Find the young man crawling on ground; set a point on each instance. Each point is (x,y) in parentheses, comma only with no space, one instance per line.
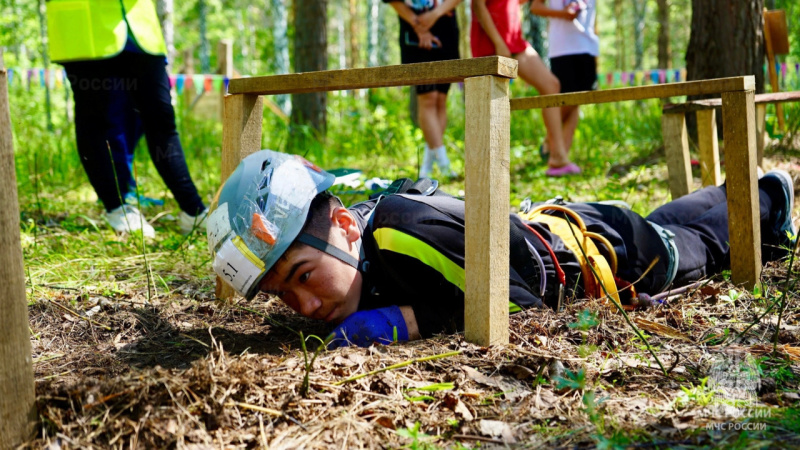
(392,268)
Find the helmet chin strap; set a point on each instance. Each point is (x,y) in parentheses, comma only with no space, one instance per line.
(319,244)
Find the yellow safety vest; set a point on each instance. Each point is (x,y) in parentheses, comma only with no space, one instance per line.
(96,29)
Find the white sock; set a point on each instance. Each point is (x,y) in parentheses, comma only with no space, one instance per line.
(443,160)
(428,157)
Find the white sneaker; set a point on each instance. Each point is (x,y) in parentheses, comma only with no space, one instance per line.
(187,223)
(427,163)
(444,161)
(127,218)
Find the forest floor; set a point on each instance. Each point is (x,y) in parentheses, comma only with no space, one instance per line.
(184,370)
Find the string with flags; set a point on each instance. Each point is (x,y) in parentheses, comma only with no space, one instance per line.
(56,78)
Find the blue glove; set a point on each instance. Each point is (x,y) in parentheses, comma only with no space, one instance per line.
(362,328)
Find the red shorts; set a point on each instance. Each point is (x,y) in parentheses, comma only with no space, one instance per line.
(505,15)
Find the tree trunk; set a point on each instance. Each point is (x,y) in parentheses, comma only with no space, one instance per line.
(355,26)
(664,54)
(639,19)
(373,22)
(726,40)
(280,40)
(205,48)
(46,63)
(620,37)
(537,30)
(17,411)
(166,10)
(341,36)
(310,54)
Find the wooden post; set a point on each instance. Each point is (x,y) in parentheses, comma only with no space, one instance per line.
(225,58)
(676,148)
(487,198)
(17,411)
(761,132)
(241,136)
(708,142)
(771,25)
(738,118)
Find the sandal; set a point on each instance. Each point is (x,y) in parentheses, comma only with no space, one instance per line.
(569,169)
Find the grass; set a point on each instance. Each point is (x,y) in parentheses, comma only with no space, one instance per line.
(71,253)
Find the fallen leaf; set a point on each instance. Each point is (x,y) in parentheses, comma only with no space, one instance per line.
(386,422)
(497,429)
(663,330)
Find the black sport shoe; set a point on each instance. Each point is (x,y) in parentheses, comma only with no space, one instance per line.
(783,227)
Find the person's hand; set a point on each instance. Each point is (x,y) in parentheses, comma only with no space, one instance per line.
(427,40)
(501,49)
(362,328)
(426,20)
(572,10)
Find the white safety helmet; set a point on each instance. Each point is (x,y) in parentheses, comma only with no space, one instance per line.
(261,210)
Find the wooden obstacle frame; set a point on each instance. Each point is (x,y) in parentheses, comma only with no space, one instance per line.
(487,160)
(738,116)
(707,140)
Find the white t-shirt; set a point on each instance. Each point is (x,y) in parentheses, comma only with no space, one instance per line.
(576,36)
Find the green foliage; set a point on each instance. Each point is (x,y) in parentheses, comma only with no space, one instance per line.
(575,381)
(419,440)
(586,320)
(700,396)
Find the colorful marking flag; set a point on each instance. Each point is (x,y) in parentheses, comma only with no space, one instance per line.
(180,81)
(10,76)
(217,82)
(654,76)
(207,83)
(172,80)
(227,81)
(197,82)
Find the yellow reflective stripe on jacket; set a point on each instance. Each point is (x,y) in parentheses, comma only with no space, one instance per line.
(96,29)
(404,244)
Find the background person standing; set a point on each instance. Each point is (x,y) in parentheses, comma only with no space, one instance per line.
(573,51)
(111,48)
(429,32)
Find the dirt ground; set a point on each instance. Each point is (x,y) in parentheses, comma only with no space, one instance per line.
(187,371)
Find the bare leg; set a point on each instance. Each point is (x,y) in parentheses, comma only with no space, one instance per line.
(429,121)
(441,110)
(534,72)
(569,118)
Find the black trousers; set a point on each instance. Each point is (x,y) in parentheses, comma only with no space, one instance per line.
(700,224)
(100,132)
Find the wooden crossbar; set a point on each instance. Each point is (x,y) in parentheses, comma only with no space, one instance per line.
(703,87)
(716,103)
(486,148)
(739,114)
(401,75)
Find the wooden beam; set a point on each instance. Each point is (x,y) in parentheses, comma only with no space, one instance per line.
(17,410)
(744,228)
(716,103)
(487,162)
(676,148)
(401,75)
(761,132)
(714,86)
(708,143)
(770,53)
(241,136)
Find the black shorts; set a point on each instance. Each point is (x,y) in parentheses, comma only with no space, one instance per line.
(446,29)
(575,72)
